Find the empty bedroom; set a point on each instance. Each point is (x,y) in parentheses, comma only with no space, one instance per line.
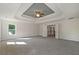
(39,28)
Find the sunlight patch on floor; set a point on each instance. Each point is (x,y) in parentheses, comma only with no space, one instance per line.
(10,43)
(21,43)
(25,38)
(18,43)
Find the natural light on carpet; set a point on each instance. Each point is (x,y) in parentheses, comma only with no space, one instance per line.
(18,43)
(25,38)
(10,43)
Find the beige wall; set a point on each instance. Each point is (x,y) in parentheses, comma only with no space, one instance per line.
(65,29)
(23,29)
(0,30)
(43,29)
(70,29)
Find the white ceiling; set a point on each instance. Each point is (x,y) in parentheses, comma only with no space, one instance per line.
(69,9)
(11,10)
(8,9)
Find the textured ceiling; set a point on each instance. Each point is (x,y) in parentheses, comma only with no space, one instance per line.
(38,6)
(61,10)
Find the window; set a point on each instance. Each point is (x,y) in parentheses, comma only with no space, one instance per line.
(11,29)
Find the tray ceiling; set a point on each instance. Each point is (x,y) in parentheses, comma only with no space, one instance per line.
(38,7)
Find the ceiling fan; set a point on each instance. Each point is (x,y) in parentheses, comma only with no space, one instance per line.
(38,13)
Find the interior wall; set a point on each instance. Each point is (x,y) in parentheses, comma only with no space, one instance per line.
(67,29)
(43,29)
(70,29)
(0,30)
(23,29)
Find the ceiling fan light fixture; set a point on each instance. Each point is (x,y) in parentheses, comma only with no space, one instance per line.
(38,13)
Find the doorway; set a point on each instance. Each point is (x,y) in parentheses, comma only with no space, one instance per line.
(51,31)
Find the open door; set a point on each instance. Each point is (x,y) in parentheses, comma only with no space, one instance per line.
(51,31)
